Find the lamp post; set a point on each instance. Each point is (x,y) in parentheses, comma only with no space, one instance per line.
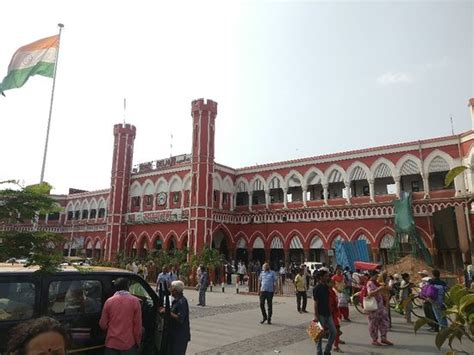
(71,238)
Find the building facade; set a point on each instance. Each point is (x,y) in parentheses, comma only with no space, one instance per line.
(291,210)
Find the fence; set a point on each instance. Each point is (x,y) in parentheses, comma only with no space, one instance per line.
(286,288)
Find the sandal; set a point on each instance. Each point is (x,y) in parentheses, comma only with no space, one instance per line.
(386,342)
(376,343)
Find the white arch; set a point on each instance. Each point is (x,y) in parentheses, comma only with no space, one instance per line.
(102,203)
(77,206)
(217,182)
(434,162)
(242,184)
(161,185)
(378,171)
(316,243)
(335,174)
(314,176)
(187,182)
(85,205)
(258,243)
(175,184)
(409,167)
(364,238)
(291,176)
(295,243)
(254,180)
(93,204)
(228,184)
(70,207)
(279,178)
(358,171)
(135,189)
(148,187)
(276,243)
(241,244)
(387,241)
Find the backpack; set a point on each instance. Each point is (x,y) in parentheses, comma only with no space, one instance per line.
(429,292)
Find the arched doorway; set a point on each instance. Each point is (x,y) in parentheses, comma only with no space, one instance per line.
(241,251)
(296,250)
(89,249)
(277,256)
(385,245)
(98,249)
(258,252)
(219,242)
(316,250)
(370,255)
(332,257)
(171,244)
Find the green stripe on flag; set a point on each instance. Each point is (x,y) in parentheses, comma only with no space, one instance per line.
(17,78)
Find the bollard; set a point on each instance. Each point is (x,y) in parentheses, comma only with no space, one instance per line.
(210,286)
(237,287)
(223,287)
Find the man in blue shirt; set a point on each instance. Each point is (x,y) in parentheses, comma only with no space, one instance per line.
(266,287)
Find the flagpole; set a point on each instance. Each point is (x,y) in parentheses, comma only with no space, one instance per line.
(60,25)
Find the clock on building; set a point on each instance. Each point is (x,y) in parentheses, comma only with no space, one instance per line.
(161,198)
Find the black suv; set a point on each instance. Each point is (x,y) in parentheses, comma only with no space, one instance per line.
(75,298)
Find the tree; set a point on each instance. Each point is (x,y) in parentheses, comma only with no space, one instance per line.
(22,205)
(460,313)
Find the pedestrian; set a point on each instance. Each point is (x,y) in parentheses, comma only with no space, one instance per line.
(228,272)
(179,333)
(438,303)
(378,319)
(336,315)
(427,306)
(134,267)
(283,273)
(322,312)
(242,271)
(122,320)
(405,296)
(163,279)
(203,283)
(300,292)
(467,272)
(266,287)
(43,335)
(173,274)
(342,296)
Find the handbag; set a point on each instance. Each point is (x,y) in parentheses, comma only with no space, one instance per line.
(315,331)
(370,304)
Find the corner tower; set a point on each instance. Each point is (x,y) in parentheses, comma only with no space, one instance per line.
(201,217)
(124,137)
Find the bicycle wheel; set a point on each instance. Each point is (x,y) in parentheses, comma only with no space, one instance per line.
(418,312)
(356,303)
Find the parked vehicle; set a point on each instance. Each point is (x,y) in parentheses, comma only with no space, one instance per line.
(76,300)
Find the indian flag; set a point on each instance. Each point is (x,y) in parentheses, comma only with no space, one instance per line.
(37,58)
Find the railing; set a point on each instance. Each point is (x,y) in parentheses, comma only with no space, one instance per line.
(54,229)
(330,213)
(286,288)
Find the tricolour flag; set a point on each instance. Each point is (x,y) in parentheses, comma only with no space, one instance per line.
(37,58)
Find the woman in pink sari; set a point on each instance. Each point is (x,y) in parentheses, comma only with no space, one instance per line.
(378,319)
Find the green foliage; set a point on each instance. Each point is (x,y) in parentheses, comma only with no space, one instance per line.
(460,313)
(20,205)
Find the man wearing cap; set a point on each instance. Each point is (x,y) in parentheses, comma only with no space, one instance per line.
(427,307)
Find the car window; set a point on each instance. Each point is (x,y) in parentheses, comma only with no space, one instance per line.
(74,297)
(17,300)
(138,290)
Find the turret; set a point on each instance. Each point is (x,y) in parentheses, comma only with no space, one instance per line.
(203,114)
(124,137)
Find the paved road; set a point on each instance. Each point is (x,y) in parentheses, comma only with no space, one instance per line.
(229,324)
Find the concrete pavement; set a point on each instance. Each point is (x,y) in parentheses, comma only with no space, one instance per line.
(230,324)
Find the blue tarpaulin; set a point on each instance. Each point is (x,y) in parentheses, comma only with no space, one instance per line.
(348,252)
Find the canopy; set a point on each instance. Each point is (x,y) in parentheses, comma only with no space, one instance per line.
(362,265)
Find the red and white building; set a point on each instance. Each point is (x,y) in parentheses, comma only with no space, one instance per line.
(292,210)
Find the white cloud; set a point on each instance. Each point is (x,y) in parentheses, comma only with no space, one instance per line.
(390,78)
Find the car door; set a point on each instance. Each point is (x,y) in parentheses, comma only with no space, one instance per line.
(76,301)
(19,302)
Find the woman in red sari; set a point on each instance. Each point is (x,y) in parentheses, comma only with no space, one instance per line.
(336,315)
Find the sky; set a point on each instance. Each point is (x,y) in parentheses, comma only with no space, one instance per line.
(292,79)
